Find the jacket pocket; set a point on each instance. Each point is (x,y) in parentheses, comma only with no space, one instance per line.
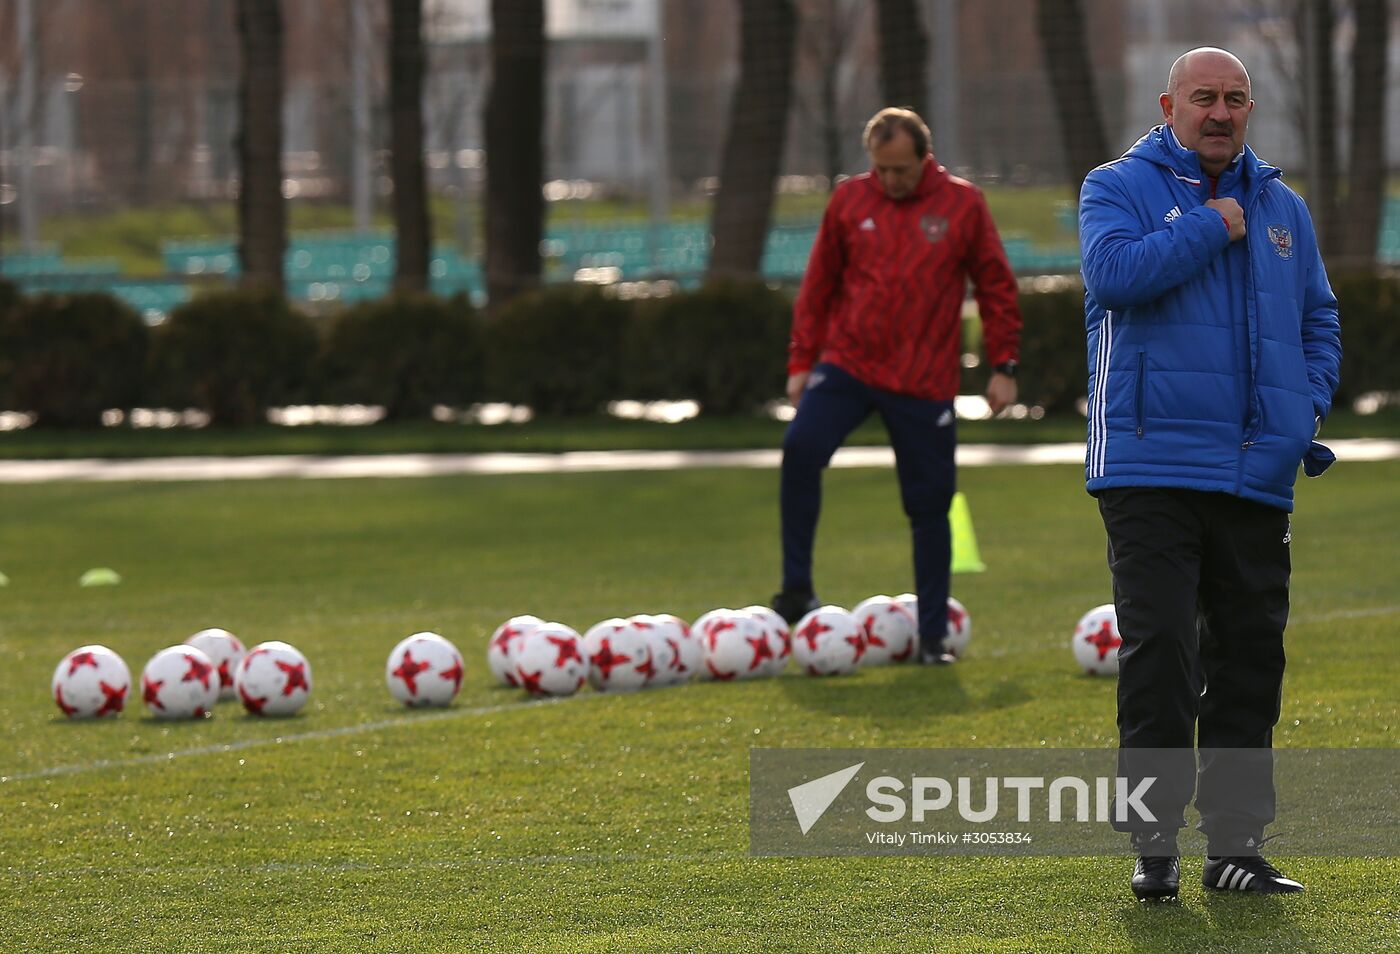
(1140,392)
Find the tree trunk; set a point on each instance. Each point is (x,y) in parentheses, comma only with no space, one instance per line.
(903,54)
(262,213)
(411,224)
(515,149)
(753,147)
(1064,48)
(1315,24)
(1366,179)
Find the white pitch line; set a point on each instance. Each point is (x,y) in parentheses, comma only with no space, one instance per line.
(243,744)
(282,867)
(1330,615)
(306,466)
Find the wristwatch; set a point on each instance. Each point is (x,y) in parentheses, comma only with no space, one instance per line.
(1007,368)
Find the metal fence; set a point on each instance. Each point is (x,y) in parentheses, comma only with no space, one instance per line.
(110,106)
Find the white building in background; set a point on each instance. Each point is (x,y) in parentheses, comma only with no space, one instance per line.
(1260,35)
(602,122)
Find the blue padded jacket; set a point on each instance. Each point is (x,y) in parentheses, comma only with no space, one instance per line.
(1210,362)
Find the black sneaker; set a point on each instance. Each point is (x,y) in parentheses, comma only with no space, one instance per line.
(1157,873)
(792,605)
(1246,873)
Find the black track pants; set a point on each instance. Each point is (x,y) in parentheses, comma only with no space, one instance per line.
(1200,581)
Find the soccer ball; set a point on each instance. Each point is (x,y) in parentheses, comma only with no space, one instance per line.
(499,652)
(778,635)
(891,633)
(663,654)
(1096,641)
(959,631)
(828,641)
(180,682)
(550,661)
(274,679)
(737,646)
(674,654)
(699,631)
(224,650)
(619,656)
(91,681)
(424,670)
(689,653)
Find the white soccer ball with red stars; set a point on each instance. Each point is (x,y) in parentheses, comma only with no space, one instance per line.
(674,653)
(180,682)
(699,630)
(424,670)
(274,679)
(1096,641)
(737,645)
(619,655)
(550,661)
(226,652)
(828,641)
(959,629)
(91,682)
(891,633)
(500,652)
(779,635)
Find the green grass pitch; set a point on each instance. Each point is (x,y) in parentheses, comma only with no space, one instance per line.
(600,823)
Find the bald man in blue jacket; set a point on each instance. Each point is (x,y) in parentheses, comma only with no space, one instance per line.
(1214,346)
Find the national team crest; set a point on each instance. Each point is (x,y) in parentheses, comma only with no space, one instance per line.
(934,227)
(1282,240)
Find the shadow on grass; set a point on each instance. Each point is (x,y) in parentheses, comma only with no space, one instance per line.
(1236,920)
(913,695)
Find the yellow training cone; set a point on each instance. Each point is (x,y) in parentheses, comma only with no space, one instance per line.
(100,576)
(965,556)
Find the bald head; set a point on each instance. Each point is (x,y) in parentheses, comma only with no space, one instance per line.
(1207,105)
(1199,54)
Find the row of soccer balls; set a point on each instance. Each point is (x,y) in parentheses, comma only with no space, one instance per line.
(271,679)
(624,655)
(616,655)
(185,681)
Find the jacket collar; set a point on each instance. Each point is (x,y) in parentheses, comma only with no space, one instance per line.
(1161,146)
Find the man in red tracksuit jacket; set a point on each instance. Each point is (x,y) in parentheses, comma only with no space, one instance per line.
(877,326)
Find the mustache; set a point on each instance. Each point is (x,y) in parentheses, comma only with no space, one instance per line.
(1211,129)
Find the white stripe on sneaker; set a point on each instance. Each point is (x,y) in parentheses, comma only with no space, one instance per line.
(1225,876)
(1238,877)
(1247,879)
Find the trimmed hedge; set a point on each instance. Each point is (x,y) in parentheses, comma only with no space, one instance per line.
(233,354)
(724,346)
(9,296)
(557,350)
(407,353)
(1370,313)
(1054,371)
(68,358)
(562,351)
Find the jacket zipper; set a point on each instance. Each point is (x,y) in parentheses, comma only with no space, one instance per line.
(1141,387)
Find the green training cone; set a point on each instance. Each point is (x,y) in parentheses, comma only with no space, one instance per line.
(965,557)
